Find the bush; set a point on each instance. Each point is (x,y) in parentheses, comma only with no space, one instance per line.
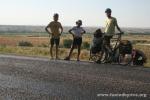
(43,45)
(86,45)
(67,43)
(134,42)
(25,43)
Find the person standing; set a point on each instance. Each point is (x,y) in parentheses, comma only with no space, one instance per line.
(111,24)
(109,32)
(55,29)
(77,33)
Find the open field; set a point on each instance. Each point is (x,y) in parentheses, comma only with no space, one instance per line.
(12,40)
(9,44)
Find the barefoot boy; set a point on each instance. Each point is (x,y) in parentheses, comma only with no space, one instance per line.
(54,29)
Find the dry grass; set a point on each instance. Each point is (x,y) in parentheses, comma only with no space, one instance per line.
(14,40)
(9,45)
(41,52)
(146,50)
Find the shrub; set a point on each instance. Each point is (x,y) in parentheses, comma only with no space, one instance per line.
(25,43)
(86,45)
(67,43)
(43,45)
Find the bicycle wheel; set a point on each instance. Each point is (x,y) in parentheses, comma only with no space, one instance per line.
(120,59)
(90,55)
(104,56)
(94,57)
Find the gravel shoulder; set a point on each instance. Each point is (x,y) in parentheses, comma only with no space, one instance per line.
(29,78)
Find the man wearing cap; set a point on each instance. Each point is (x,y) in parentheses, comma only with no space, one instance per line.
(111,24)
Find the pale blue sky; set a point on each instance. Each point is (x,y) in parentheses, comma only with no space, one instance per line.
(130,13)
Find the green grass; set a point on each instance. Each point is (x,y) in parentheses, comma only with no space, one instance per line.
(29,51)
(43,51)
(40,48)
(40,52)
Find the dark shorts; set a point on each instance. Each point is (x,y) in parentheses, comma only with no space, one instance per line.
(77,41)
(55,41)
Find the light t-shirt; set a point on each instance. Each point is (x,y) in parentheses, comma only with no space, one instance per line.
(55,28)
(110,26)
(77,31)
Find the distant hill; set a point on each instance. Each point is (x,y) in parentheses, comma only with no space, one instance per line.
(21,29)
(33,29)
(41,29)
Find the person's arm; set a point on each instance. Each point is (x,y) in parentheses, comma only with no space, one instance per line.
(83,32)
(118,28)
(61,28)
(46,29)
(70,32)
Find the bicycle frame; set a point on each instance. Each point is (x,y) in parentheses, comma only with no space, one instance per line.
(118,40)
(110,57)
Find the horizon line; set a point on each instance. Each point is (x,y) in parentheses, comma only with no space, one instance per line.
(69,26)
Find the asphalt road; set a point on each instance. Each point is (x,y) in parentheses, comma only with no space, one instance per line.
(29,78)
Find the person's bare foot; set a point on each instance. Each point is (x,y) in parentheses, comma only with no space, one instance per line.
(57,58)
(67,58)
(51,58)
(78,59)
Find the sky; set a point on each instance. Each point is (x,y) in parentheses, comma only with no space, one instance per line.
(129,13)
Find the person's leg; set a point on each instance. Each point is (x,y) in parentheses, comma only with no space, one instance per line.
(70,53)
(79,42)
(79,52)
(57,47)
(51,47)
(57,50)
(73,46)
(107,43)
(51,51)
(109,46)
(71,50)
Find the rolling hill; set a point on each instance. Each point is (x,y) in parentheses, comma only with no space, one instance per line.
(4,29)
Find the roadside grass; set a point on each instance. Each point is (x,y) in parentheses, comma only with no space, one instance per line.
(9,45)
(41,52)
(146,50)
(44,52)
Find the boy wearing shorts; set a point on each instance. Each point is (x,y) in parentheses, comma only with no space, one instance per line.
(54,29)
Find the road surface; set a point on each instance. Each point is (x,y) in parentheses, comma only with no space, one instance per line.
(29,78)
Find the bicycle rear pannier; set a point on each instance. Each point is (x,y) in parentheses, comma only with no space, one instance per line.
(125,47)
